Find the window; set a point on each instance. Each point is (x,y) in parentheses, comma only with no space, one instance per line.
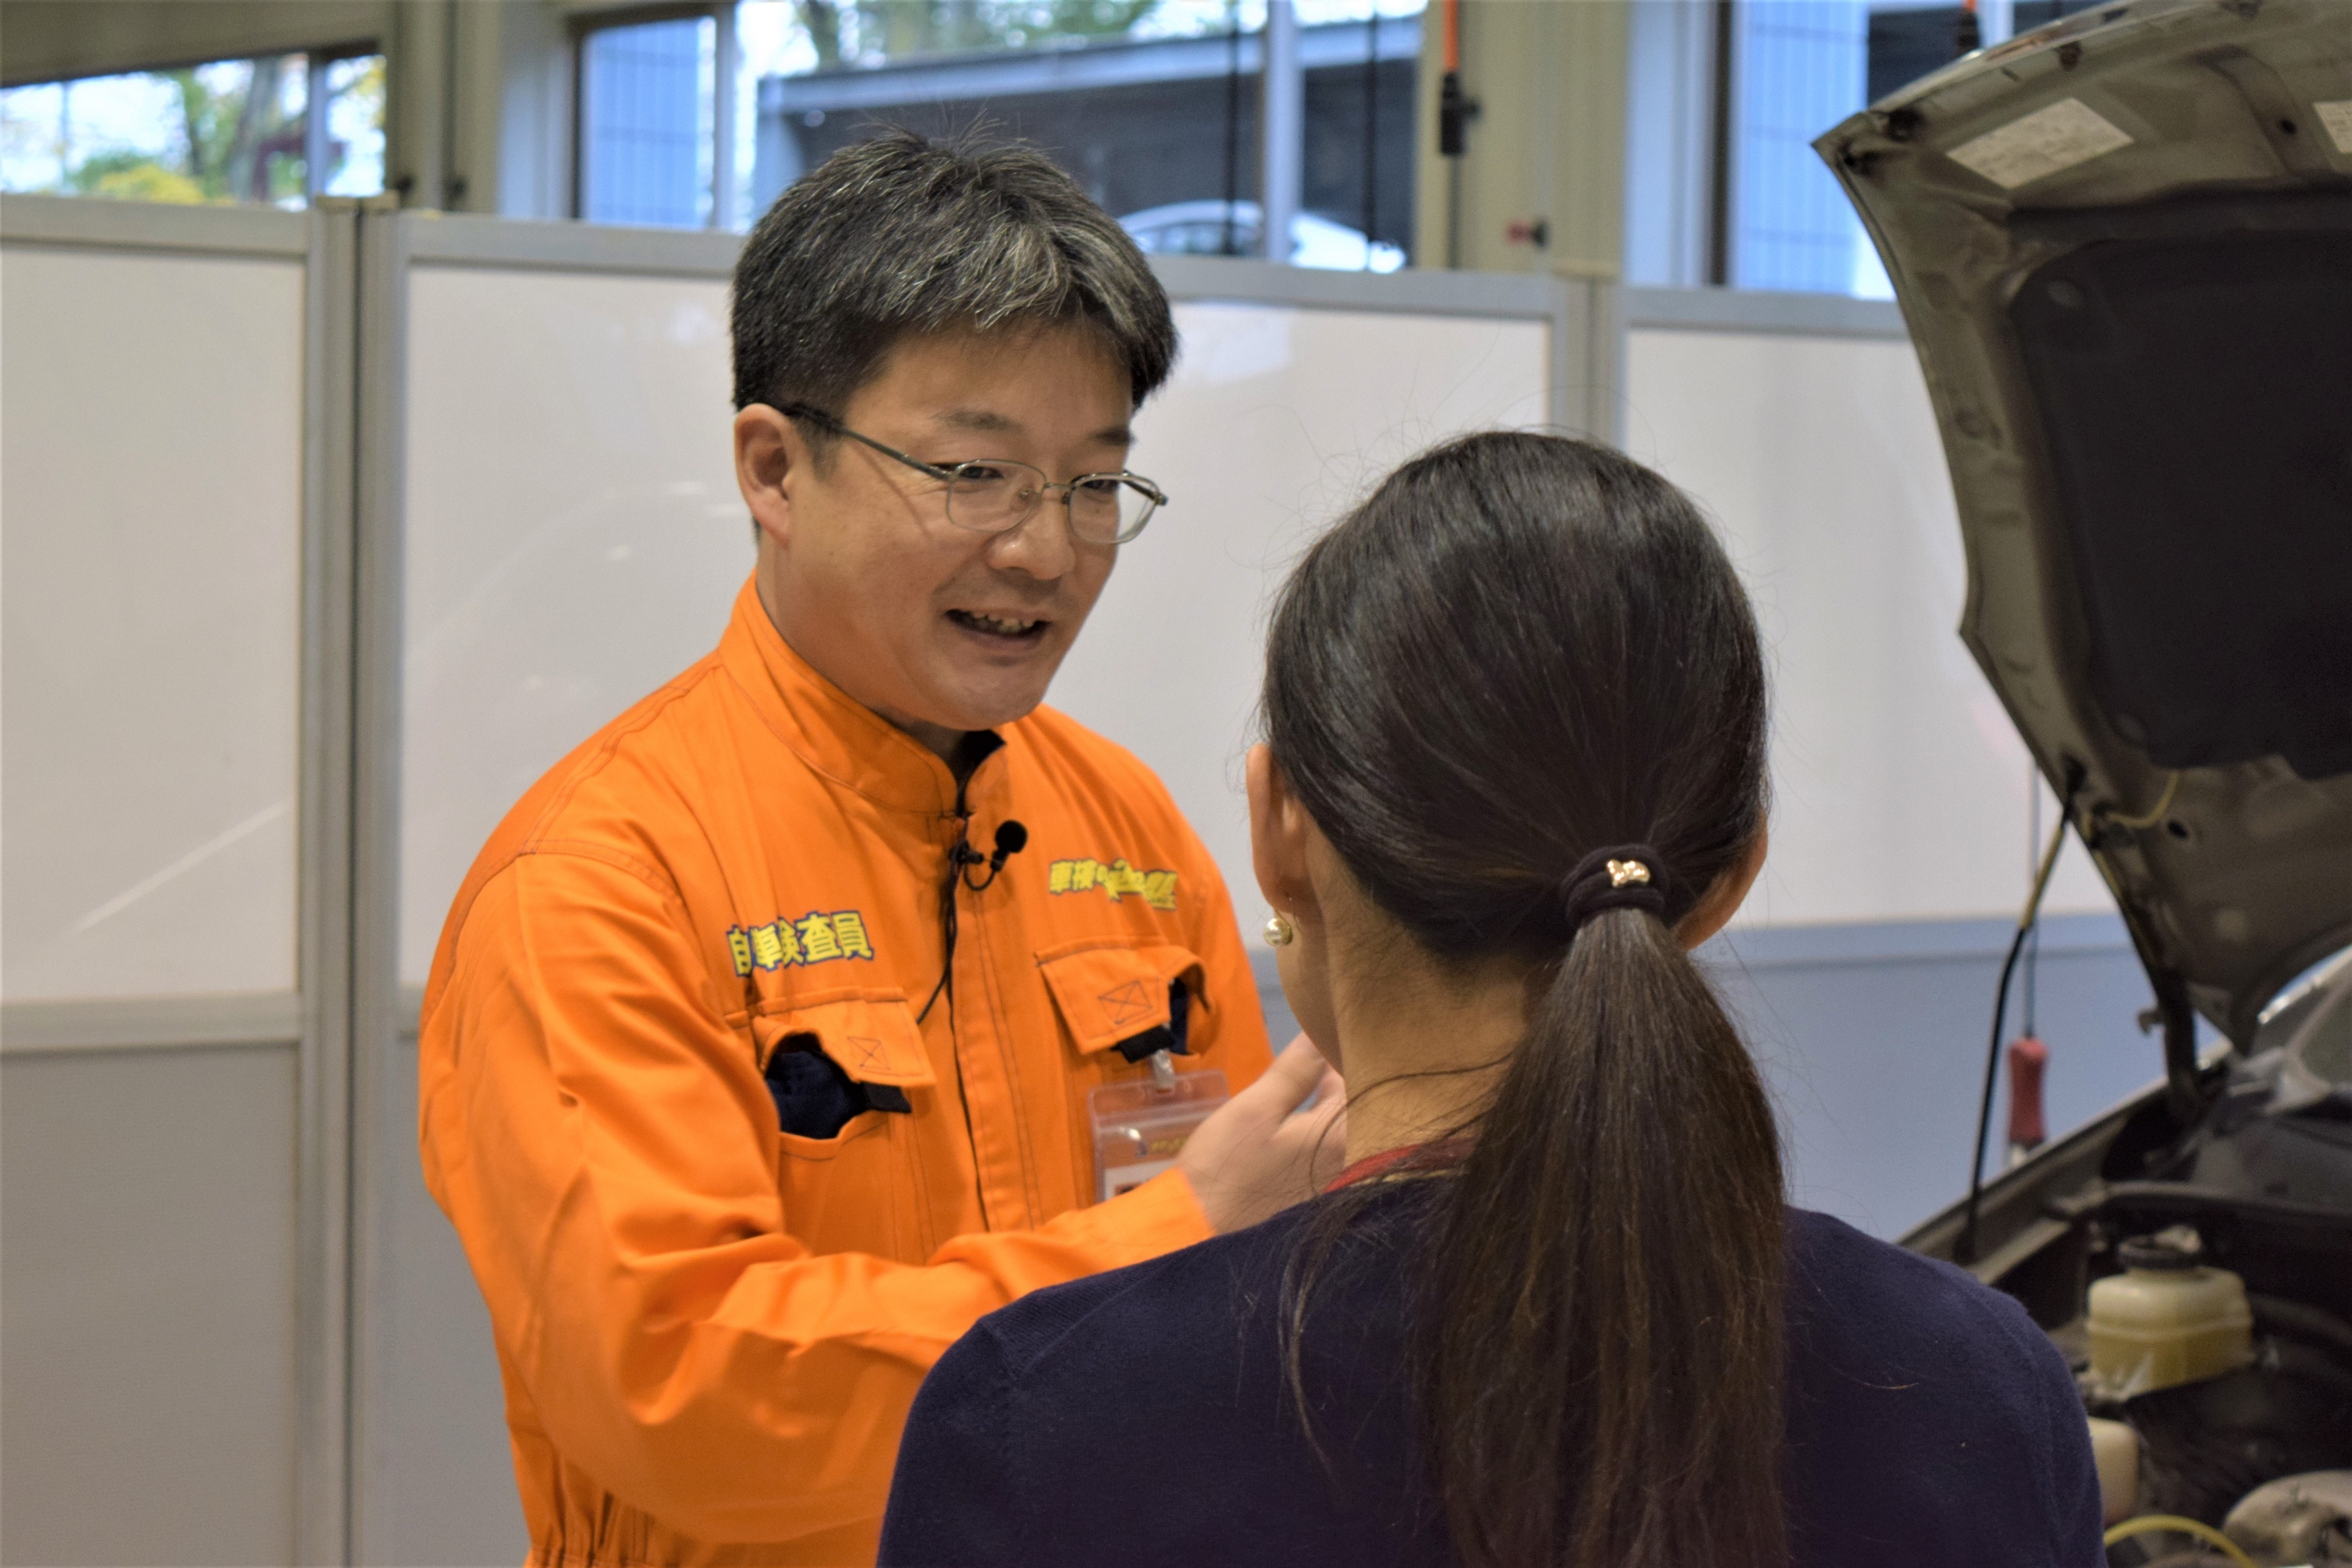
(1798,67)
(701,118)
(649,122)
(278,130)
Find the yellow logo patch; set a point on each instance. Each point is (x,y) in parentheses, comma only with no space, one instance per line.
(815,938)
(1117,880)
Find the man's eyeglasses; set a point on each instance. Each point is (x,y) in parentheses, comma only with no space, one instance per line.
(992,495)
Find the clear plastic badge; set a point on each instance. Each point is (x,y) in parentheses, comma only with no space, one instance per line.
(1139,1128)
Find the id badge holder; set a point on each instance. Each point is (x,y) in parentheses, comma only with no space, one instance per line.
(1139,1128)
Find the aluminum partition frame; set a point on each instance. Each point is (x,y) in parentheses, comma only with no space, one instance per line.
(1580,312)
(313,1019)
(1750,311)
(323,1492)
(1582,392)
(378,1013)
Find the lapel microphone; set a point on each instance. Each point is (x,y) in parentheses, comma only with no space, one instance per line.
(1012,838)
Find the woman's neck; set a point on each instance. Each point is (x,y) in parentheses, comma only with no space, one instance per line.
(1422,1049)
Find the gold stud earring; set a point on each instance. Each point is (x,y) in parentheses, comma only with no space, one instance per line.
(1279,931)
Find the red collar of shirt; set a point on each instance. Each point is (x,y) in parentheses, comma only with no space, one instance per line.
(1421,1156)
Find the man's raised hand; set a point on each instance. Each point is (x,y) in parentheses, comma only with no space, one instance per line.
(1258,1154)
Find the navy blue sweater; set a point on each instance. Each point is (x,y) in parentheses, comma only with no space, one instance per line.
(1141,1418)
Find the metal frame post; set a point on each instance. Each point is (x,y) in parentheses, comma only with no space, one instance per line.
(322,1207)
(1282,130)
(375,1002)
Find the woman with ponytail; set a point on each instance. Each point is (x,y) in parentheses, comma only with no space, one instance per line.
(1556,1314)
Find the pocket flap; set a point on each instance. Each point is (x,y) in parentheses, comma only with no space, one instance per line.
(1115,991)
(874,1039)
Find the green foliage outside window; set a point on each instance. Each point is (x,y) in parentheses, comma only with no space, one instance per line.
(228,131)
(240,142)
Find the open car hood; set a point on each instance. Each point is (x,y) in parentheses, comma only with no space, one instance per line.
(2123,245)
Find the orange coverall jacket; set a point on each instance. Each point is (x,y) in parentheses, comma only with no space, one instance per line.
(710,1330)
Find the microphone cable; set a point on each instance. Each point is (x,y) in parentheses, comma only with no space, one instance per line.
(1012,838)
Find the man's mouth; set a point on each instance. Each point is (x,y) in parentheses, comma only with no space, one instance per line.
(1011,627)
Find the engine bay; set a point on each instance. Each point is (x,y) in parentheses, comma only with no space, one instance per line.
(2250,1202)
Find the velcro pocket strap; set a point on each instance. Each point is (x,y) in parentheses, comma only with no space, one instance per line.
(1113,991)
(870,1036)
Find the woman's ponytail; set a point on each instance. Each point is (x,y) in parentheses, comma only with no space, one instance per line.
(1601,1299)
(1520,650)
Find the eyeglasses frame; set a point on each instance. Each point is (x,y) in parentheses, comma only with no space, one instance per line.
(1159,497)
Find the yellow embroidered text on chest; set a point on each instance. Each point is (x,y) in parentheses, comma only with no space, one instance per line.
(1117,880)
(815,938)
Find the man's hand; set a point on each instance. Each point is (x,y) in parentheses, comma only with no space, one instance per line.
(1258,1154)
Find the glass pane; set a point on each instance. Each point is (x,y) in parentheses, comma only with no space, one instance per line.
(1152,105)
(1800,72)
(648,115)
(228,131)
(352,99)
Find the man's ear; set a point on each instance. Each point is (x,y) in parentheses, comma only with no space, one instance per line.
(1279,831)
(768,453)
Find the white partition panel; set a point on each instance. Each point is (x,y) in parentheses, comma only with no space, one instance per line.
(1900,787)
(150,479)
(1277,419)
(573,533)
(573,536)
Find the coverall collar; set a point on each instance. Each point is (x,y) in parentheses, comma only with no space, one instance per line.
(838,736)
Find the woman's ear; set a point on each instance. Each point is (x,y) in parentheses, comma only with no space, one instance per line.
(1279,831)
(767,451)
(1720,902)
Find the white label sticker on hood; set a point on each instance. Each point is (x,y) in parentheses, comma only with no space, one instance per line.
(2056,136)
(2337,117)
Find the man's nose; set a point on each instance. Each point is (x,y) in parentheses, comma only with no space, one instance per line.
(1039,544)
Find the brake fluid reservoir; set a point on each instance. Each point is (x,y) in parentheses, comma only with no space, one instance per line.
(2166,1319)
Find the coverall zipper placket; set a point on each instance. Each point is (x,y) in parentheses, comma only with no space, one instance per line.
(970,1032)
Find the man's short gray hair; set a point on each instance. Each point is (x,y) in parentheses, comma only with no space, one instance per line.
(900,234)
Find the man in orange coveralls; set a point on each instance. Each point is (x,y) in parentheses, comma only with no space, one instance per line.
(757,1050)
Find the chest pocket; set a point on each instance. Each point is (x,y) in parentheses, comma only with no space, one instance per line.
(827,1062)
(1123,1002)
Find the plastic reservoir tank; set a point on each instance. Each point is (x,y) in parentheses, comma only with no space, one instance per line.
(2166,1319)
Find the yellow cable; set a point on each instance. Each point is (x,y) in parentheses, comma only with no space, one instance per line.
(2042,877)
(2180,1526)
(2153,818)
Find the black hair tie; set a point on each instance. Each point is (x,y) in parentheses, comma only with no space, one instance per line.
(1619,877)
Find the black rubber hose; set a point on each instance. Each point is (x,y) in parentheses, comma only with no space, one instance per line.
(1963,1250)
(2294,1319)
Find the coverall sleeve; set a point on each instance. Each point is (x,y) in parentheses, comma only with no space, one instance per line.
(606,1149)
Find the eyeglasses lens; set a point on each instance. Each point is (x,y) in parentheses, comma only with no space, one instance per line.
(991,496)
